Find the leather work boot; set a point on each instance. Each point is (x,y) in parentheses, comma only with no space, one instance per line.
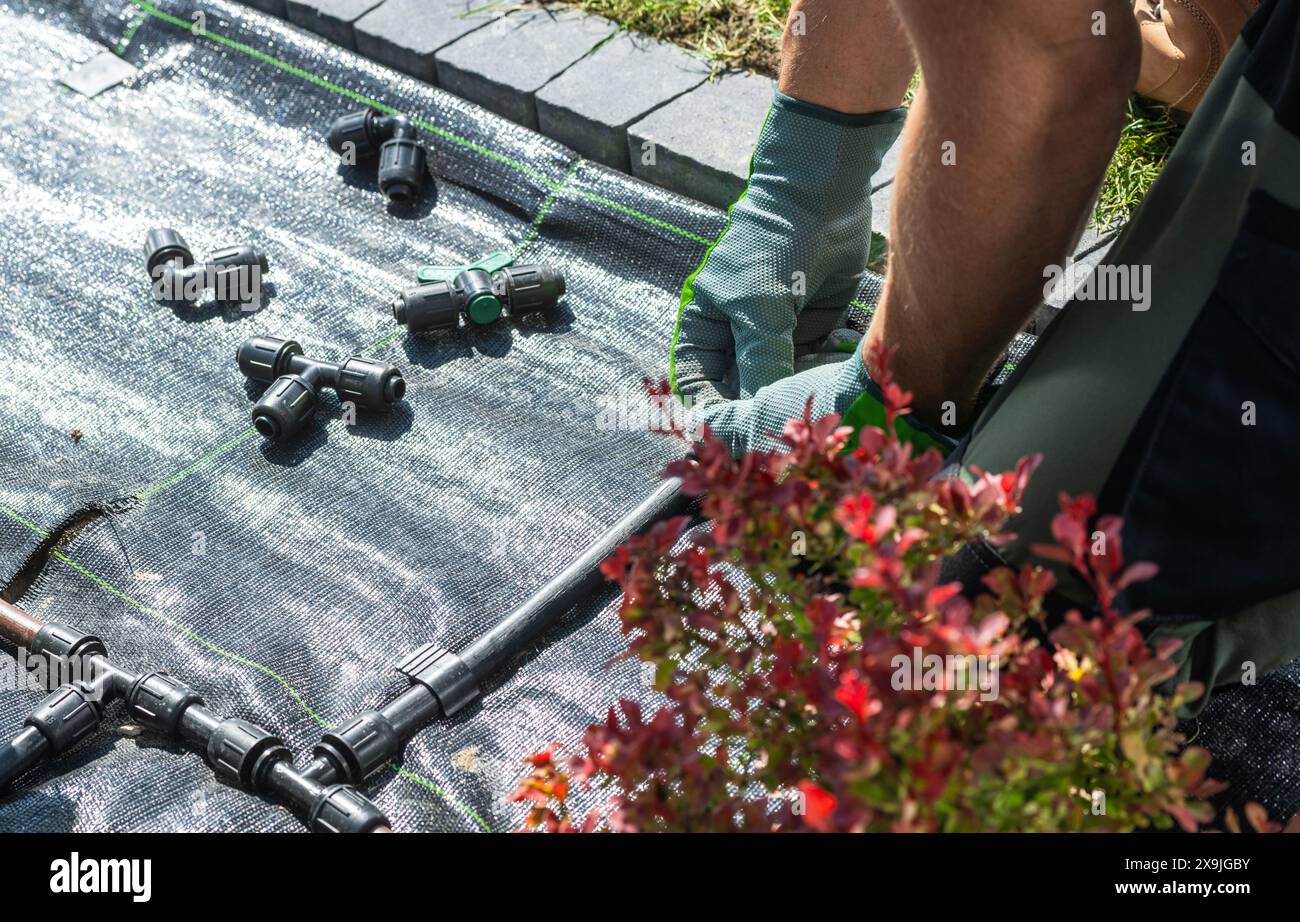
(1183,44)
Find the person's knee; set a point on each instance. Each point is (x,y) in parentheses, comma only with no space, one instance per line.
(1085,52)
(1090,47)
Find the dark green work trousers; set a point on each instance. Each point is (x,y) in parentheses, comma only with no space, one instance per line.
(1183,414)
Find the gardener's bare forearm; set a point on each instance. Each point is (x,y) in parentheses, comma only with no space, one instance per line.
(1019,111)
(847,55)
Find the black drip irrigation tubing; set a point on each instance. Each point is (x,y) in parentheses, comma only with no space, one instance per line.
(323,793)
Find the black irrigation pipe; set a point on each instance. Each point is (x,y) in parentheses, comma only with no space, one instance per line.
(323,793)
(240,753)
(443,682)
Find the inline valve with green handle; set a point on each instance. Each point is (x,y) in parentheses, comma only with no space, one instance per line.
(481,292)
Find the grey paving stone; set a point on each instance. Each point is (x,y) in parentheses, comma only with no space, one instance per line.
(502,65)
(405,34)
(590,106)
(274,7)
(330,18)
(702,140)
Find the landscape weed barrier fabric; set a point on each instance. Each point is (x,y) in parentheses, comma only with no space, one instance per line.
(285,584)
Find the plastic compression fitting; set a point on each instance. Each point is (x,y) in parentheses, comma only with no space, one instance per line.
(285,408)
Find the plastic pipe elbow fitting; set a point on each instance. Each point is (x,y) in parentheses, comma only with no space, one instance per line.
(403,163)
(480,296)
(233,273)
(285,408)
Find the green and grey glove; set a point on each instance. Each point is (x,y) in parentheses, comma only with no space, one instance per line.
(779,279)
(845,387)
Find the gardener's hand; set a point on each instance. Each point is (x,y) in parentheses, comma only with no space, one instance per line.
(756,423)
(780,278)
(843,386)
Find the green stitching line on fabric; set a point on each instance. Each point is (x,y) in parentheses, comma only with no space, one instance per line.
(431,128)
(642,216)
(426,783)
(186,471)
(381,343)
(226,654)
(688,287)
(125,41)
(170,622)
(544,209)
(547,204)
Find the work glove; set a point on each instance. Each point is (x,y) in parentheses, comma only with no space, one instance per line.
(843,387)
(779,279)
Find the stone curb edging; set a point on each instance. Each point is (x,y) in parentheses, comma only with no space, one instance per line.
(616,97)
(619,98)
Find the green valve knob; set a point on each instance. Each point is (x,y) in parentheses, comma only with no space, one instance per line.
(493,262)
(485,309)
(481,293)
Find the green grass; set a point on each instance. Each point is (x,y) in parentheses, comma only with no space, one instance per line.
(1144,147)
(732,33)
(747,33)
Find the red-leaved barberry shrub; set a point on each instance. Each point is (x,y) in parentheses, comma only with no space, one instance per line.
(818,676)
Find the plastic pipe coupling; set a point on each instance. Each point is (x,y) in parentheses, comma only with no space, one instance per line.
(233,273)
(285,407)
(480,295)
(360,135)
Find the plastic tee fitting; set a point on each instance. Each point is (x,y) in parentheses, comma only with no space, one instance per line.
(479,295)
(288,404)
(233,273)
(360,135)
(241,754)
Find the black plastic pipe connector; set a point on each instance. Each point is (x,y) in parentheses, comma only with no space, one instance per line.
(240,753)
(165,247)
(285,407)
(58,641)
(232,274)
(444,683)
(403,163)
(361,747)
(480,296)
(157,701)
(68,715)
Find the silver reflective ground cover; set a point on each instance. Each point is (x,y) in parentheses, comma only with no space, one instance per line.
(324,562)
(285,583)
